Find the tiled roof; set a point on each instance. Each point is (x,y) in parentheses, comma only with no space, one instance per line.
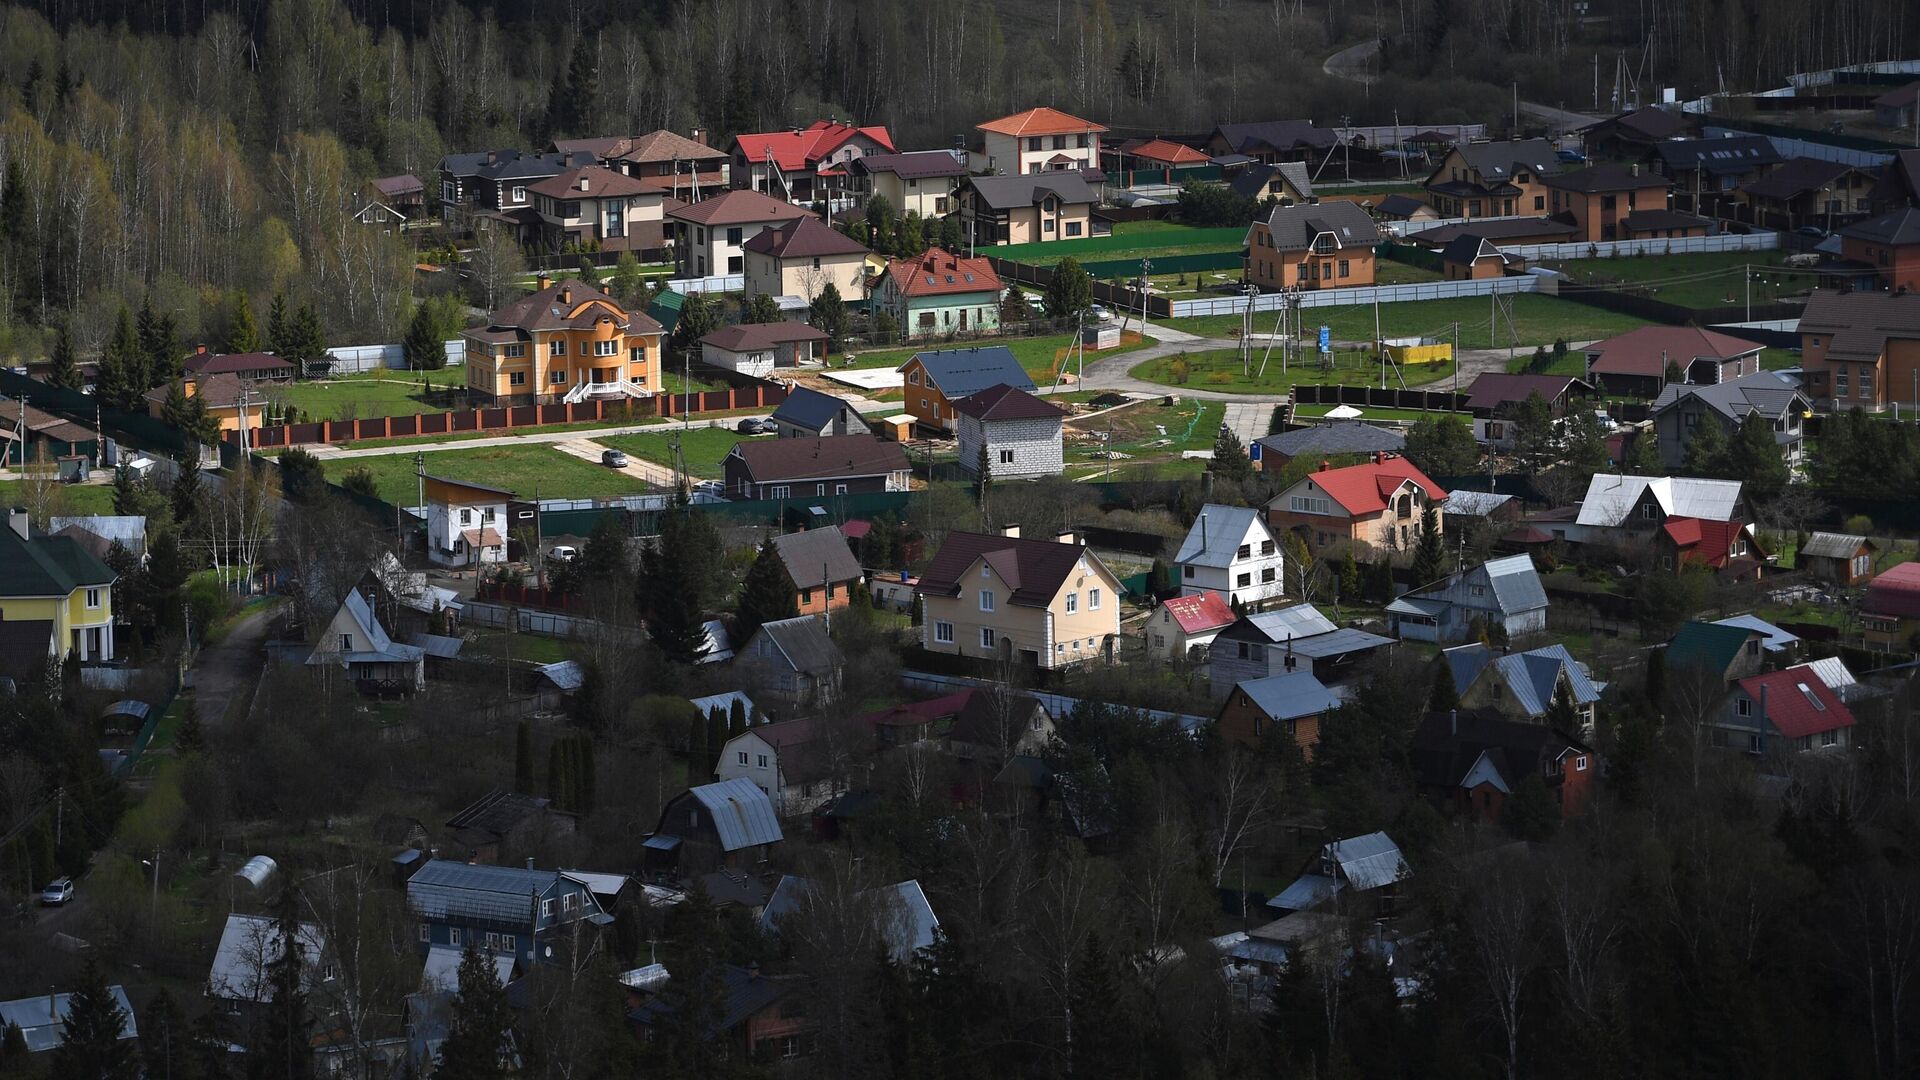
(1041,121)
(1200,612)
(1723,156)
(1764,392)
(1642,220)
(568,304)
(748,337)
(739,207)
(1650,121)
(798,150)
(913,165)
(810,554)
(1281,135)
(1497,161)
(1496,229)
(805,238)
(1294,228)
(602,183)
(46,566)
(769,460)
(1608,176)
(1796,176)
(1494,389)
(1894,593)
(668,146)
(1034,569)
(396,186)
(1797,702)
(1030,189)
(1647,349)
(1897,228)
(1003,402)
(1172,153)
(1365,488)
(215,363)
(1861,322)
(1334,438)
(937,272)
(958,373)
(809,409)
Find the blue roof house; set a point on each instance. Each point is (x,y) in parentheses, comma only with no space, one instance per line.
(1502,592)
(727,824)
(502,910)
(1522,685)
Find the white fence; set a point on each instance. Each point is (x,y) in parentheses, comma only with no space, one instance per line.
(720,283)
(1408,228)
(1758,240)
(1371,294)
(353,359)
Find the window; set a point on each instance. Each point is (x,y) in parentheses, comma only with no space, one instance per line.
(1246,551)
(985,571)
(606,348)
(1266,547)
(763,760)
(557,347)
(346,642)
(426,933)
(943,632)
(1073,602)
(1187,571)
(1243,581)
(1497,691)
(1006,457)
(557,377)
(546,906)
(1606,203)
(93,598)
(1036,143)
(1866,381)
(733,235)
(1306,504)
(1046,225)
(453,936)
(516,378)
(1080,140)
(1073,228)
(913,378)
(1266,576)
(819,489)
(806,597)
(986,599)
(493,941)
(1539,202)
(514,351)
(509,943)
(986,637)
(780,491)
(519,194)
(1343,268)
(1829,738)
(1093,599)
(1743,707)
(1159,641)
(1580,763)
(1647,511)
(742,755)
(1840,380)
(569,902)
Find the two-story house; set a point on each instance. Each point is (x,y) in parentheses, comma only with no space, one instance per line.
(1038,140)
(1321,441)
(1804,191)
(1722,652)
(792,761)
(1026,209)
(1783,712)
(597,207)
(354,642)
(805,165)
(820,567)
(1291,705)
(1326,245)
(794,661)
(684,168)
(1627,511)
(1271,141)
(493,189)
(1377,503)
(709,237)
(815,468)
(935,379)
(1639,362)
(1045,603)
(1469,763)
(1890,612)
(1503,593)
(1493,179)
(1890,244)
(1017,434)
(56,600)
(803,259)
(528,914)
(810,414)
(1286,183)
(1231,551)
(1618,202)
(566,342)
(1707,172)
(1521,685)
(730,823)
(1183,624)
(919,182)
(1629,135)
(1358,877)
(466,522)
(239,981)
(1861,349)
(1496,397)
(938,292)
(1297,638)
(1681,408)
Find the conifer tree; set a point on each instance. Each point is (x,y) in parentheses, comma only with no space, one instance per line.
(90,1042)
(828,314)
(1428,556)
(716,742)
(122,367)
(697,745)
(284,1050)
(191,738)
(422,346)
(65,370)
(1230,460)
(160,342)
(766,595)
(280,328)
(1445,695)
(477,1024)
(738,715)
(166,1042)
(243,334)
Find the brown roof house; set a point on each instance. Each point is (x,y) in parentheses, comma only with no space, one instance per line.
(1045,602)
(1619,202)
(597,207)
(1807,191)
(939,293)
(710,236)
(1861,349)
(803,258)
(503,824)
(685,168)
(1495,397)
(815,468)
(1493,179)
(1890,244)
(1017,434)
(758,348)
(1471,257)
(1626,136)
(1024,209)
(1636,363)
(1841,558)
(257,366)
(1320,246)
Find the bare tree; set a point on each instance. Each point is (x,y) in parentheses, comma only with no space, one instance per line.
(41,490)
(1881,944)
(1502,927)
(1582,900)
(1066,910)
(367,939)
(497,264)
(1242,801)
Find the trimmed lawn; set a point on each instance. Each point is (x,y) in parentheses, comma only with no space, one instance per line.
(1574,363)
(704,447)
(498,433)
(1037,355)
(1221,370)
(1537,320)
(1778,359)
(530,647)
(1703,280)
(373,393)
(516,468)
(1152,241)
(81,499)
(1392,272)
(1412,187)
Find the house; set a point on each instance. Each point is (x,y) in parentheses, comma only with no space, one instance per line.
(685,168)
(1521,686)
(810,414)
(58,437)
(757,349)
(1629,510)
(502,824)
(1495,398)
(805,165)
(1777,644)
(1296,638)
(1861,349)
(730,823)
(1899,183)
(466,522)
(709,236)
(1045,603)
(356,643)
(1292,704)
(936,379)
(1890,244)
(98,533)
(1286,183)
(1492,179)
(503,911)
(1637,363)
(1017,434)
(1806,191)
(404,193)
(902,917)
(1469,763)
(1026,209)
(1271,141)
(1152,156)
(1405,208)
(1707,172)
(490,186)
(1618,202)
(566,342)
(761,1017)
(1468,509)
(1723,652)
(56,600)
(918,182)
(593,207)
(1841,558)
(231,402)
(815,468)
(1789,711)
(994,723)
(1038,140)
(1472,257)
(1504,593)
(253,366)
(1319,442)
(938,293)
(821,568)
(1897,107)
(914,721)
(1890,613)
(1629,135)
(1377,503)
(1356,876)
(1185,626)
(1229,550)
(1320,246)
(804,258)
(1682,407)
(796,762)
(1728,547)
(41,1019)
(240,978)
(796,660)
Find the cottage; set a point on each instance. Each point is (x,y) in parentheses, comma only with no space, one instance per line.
(1522,686)
(1470,763)
(1016,434)
(355,642)
(1230,550)
(1723,652)
(1729,547)
(803,259)
(1502,593)
(1286,183)
(1271,141)
(730,823)
(995,723)
(239,980)
(1493,179)
(796,660)
(1890,613)
(1841,558)
(1038,141)
(682,167)
(1861,349)
(902,918)
(1025,209)
(1321,246)
(1619,202)
(1629,510)
(489,188)
(938,293)
(1805,191)
(1890,244)
(914,721)
(1377,503)
(709,236)
(252,366)
(1472,257)
(42,1019)
(1629,135)
(1043,602)
(917,182)
(1639,363)
(565,343)
(1495,399)
(529,915)
(1789,711)
(502,824)
(1778,644)
(1405,208)
(934,380)
(1511,232)
(1467,509)
(1682,407)
(762,1017)
(1707,172)
(56,600)
(595,207)
(1320,442)
(758,349)
(821,568)
(810,414)
(798,763)
(1296,638)
(1356,877)
(1290,705)
(815,468)
(466,522)
(1184,626)
(805,165)
(232,403)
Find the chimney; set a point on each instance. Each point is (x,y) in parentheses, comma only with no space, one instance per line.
(200,349)
(529,862)
(1012,531)
(17,518)
(1379,457)
(493,157)
(545,283)
(1763,706)
(1324,465)
(753,971)
(1203,530)
(1067,536)
(697,135)
(566,294)
(584,183)
(1636,168)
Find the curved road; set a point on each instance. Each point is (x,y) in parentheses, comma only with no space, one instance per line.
(1354,64)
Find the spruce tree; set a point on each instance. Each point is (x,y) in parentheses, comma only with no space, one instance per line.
(674,573)
(1643,456)
(1562,714)
(1070,291)
(716,743)
(422,346)
(243,334)
(310,339)
(478,1022)
(1707,450)
(65,370)
(1444,695)
(557,775)
(761,309)
(1428,556)
(90,1042)
(586,781)
(166,1042)
(280,328)
(185,494)
(160,342)
(284,1049)
(696,744)
(122,367)
(828,314)
(1230,460)
(13,1046)
(766,595)
(191,737)
(737,716)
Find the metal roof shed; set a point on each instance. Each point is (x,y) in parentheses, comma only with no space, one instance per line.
(742,813)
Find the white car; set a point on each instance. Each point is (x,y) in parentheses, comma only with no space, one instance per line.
(57,892)
(1100,314)
(563,552)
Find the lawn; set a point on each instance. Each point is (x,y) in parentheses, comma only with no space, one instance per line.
(1411,187)
(1038,355)
(374,393)
(1778,359)
(1706,279)
(80,499)
(517,468)
(496,433)
(1537,320)
(530,647)
(1222,370)
(1155,240)
(1392,272)
(704,447)
(1136,432)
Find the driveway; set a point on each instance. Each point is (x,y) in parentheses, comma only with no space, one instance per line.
(229,671)
(649,472)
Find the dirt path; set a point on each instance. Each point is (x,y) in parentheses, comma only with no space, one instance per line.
(229,671)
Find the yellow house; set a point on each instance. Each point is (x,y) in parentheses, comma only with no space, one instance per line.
(565,343)
(802,259)
(226,396)
(1043,602)
(55,599)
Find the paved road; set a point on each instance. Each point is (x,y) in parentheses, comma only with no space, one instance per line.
(1354,64)
(230,670)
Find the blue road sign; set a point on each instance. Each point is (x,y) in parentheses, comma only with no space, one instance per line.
(1326,339)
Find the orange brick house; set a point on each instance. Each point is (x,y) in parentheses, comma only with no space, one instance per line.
(1377,503)
(1469,257)
(821,568)
(566,342)
(1604,202)
(1861,349)
(1325,245)
(1890,244)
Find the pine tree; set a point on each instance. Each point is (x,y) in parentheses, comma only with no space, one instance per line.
(422,346)
(697,320)
(1229,458)
(121,366)
(65,370)
(90,1042)
(243,334)
(697,746)
(766,595)
(191,737)
(523,758)
(1070,291)
(1643,456)
(716,742)
(284,1050)
(761,308)
(166,1042)
(1428,556)
(280,328)
(311,339)
(186,490)
(1444,695)
(477,1024)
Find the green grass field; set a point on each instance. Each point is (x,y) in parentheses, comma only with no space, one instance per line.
(517,468)
(373,393)
(1130,240)
(1707,279)
(704,447)
(80,499)
(1221,370)
(1537,320)
(1037,355)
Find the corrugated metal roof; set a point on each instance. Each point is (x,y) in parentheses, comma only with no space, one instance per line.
(565,674)
(1290,695)
(40,1018)
(1475,503)
(444,888)
(248,944)
(1217,533)
(1306,891)
(438,646)
(723,702)
(1534,677)
(1337,438)
(1776,640)
(1826,545)
(1516,585)
(742,813)
(1298,621)
(1347,639)
(1611,497)
(442,971)
(1370,861)
(909,921)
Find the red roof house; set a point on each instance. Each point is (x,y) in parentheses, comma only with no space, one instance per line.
(1377,503)
(804,149)
(1727,546)
(1187,622)
(1785,710)
(1163,152)
(1890,614)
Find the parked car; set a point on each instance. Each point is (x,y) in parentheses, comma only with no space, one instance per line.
(1572,157)
(1100,314)
(57,892)
(1811,232)
(613,459)
(755,425)
(710,487)
(563,553)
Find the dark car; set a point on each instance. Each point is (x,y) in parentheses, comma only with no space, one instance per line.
(1572,157)
(754,425)
(1811,232)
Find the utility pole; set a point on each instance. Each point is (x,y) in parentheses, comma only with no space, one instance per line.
(1347,146)
(1746,274)
(1379,344)
(1456,357)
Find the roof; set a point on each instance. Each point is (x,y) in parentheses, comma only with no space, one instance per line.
(1727,155)
(47,565)
(1470,248)
(1370,861)
(1289,696)
(909,923)
(1040,121)
(984,718)
(248,943)
(669,146)
(803,641)
(1709,645)
(1534,677)
(752,337)
(41,1018)
(380,648)
(394,186)
(1307,890)
(442,970)
(800,149)
(1365,488)
(1217,532)
(449,889)
(1895,592)
(1707,542)
(914,164)
(1498,160)
(1296,622)
(1331,439)
(1777,640)
(1861,322)
(1172,153)
(568,304)
(1275,135)
(1030,189)
(1252,181)
(1649,121)
(601,183)
(807,555)
(1033,569)
(1203,611)
(770,460)
(916,713)
(809,409)
(97,533)
(1798,702)
(1468,503)
(220,390)
(1896,228)
(1294,228)
(1610,497)
(1899,96)
(1608,176)
(1646,350)
(1496,229)
(1401,206)
(809,237)
(959,373)
(1764,392)
(1827,545)
(742,813)
(738,207)
(1514,581)
(1447,747)
(745,993)
(1833,671)
(1003,402)
(1493,389)
(1796,176)
(724,702)
(215,363)
(937,272)
(498,812)
(1661,218)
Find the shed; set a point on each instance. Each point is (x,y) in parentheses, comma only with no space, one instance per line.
(728,823)
(1844,559)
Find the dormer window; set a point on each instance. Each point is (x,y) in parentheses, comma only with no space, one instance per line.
(1323,244)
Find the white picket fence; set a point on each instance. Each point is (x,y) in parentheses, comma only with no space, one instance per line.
(1371,294)
(1402,229)
(1758,240)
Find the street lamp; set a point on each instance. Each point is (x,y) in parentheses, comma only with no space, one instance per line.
(153,910)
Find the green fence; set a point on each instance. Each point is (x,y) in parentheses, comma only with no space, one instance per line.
(1155,240)
(1166,264)
(130,428)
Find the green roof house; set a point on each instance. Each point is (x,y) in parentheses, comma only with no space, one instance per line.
(55,598)
(1729,651)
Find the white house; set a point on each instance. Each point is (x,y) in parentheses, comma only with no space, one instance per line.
(709,236)
(1039,140)
(355,642)
(1231,551)
(1186,623)
(466,522)
(1020,432)
(791,761)
(757,348)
